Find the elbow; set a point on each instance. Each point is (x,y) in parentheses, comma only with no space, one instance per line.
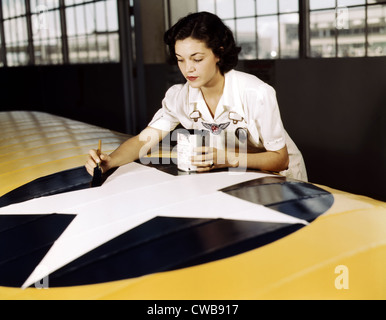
(283,162)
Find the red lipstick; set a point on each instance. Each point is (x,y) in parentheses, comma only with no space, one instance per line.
(191,78)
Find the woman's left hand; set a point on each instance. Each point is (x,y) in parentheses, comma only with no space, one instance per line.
(209,158)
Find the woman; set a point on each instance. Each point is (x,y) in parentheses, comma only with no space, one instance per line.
(216,98)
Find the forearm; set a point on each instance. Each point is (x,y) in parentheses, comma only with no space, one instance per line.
(274,161)
(136,147)
(208,158)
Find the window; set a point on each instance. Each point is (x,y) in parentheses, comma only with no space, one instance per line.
(2,47)
(265,29)
(15,32)
(376,30)
(92,31)
(37,31)
(347,28)
(46,32)
(269,29)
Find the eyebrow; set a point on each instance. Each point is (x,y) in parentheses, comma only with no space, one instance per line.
(192,55)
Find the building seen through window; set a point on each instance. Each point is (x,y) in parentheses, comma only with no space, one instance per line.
(46,32)
(269,29)
(36,33)
(15,40)
(39,32)
(347,28)
(265,29)
(92,31)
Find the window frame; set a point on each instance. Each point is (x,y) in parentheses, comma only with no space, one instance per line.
(366,7)
(304,37)
(304,32)
(62,39)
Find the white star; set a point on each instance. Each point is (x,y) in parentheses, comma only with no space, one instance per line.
(132,195)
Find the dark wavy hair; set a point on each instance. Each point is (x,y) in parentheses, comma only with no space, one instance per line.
(209,28)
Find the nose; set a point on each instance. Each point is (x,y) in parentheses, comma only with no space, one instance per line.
(190,67)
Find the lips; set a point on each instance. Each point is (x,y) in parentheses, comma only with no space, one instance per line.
(191,78)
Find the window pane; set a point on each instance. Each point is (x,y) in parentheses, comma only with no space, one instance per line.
(73,49)
(70,21)
(17,7)
(231,25)
(39,5)
(342,3)
(351,40)
(89,28)
(17,54)
(40,24)
(10,58)
(206,5)
(80,20)
(321,4)
(42,52)
(225,9)
(38,51)
(92,49)
(112,15)
(103,47)
(289,5)
(114,47)
(245,8)
(268,44)
(246,38)
(266,7)
(54,21)
(90,18)
(1,55)
(7,32)
(322,34)
(48,51)
(289,35)
(5,9)
(101,17)
(21,29)
(46,25)
(82,49)
(56,51)
(23,53)
(376,30)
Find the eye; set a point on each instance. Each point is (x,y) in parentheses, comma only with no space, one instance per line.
(197,60)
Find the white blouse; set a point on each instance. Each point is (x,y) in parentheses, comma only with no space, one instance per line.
(247,102)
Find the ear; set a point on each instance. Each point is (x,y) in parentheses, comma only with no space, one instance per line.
(221,49)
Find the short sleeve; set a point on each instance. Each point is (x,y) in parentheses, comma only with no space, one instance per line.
(264,114)
(166,118)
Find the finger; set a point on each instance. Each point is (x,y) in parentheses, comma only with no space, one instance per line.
(94,156)
(201,158)
(204,164)
(90,162)
(203,150)
(104,157)
(205,169)
(89,169)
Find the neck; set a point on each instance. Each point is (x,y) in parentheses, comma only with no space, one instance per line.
(215,87)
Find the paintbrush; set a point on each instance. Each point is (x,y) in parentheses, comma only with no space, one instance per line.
(97,175)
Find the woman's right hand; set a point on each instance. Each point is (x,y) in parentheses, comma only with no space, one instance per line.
(94,159)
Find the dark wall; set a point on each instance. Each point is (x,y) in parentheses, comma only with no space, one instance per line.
(334,109)
(90,93)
